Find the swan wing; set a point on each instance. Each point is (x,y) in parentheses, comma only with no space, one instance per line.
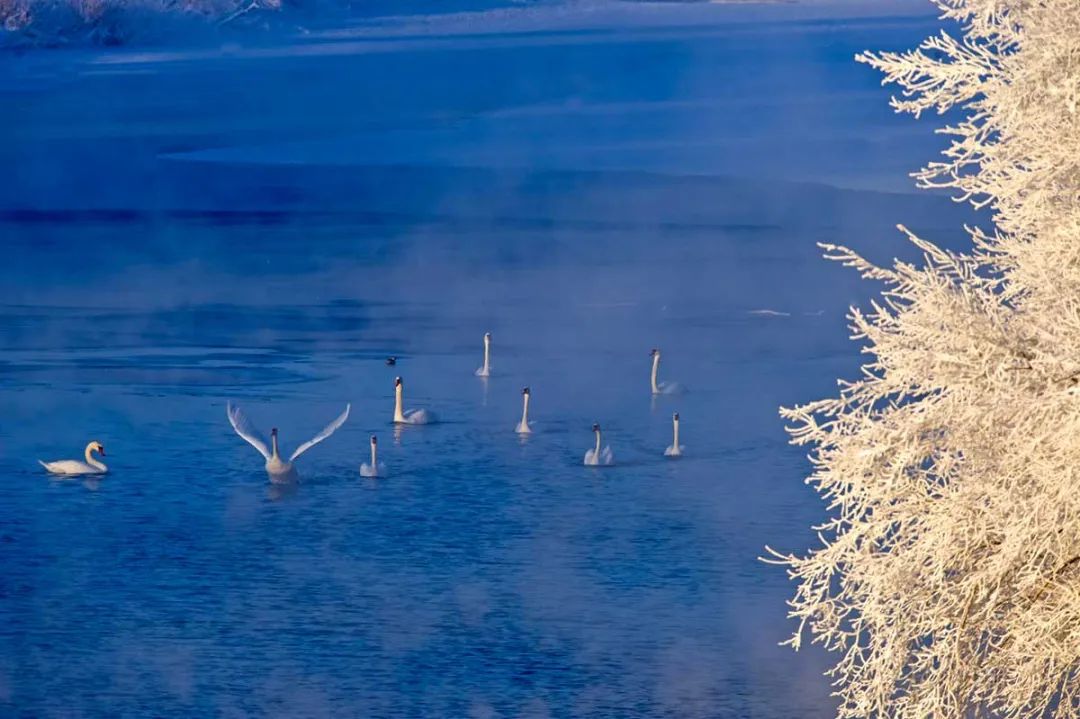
(243,427)
(70,467)
(326,432)
(367,470)
(420,416)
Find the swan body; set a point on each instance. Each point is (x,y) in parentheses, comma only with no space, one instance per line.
(523,427)
(376,468)
(675,450)
(598,456)
(410,416)
(73,467)
(485,370)
(279,470)
(662,387)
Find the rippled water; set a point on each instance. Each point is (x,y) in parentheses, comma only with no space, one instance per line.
(486,575)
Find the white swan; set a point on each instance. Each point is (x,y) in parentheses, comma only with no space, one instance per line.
(72,467)
(412,416)
(279,471)
(376,468)
(523,426)
(597,456)
(675,450)
(485,371)
(662,387)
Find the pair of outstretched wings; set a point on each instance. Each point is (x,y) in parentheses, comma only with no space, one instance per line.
(245,429)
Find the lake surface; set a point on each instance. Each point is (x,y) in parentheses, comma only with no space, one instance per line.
(267,224)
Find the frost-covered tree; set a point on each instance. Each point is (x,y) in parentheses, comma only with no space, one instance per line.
(948,575)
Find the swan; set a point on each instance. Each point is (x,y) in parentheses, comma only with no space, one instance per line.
(72,467)
(523,426)
(662,387)
(597,456)
(376,468)
(485,371)
(675,450)
(278,470)
(391,361)
(412,416)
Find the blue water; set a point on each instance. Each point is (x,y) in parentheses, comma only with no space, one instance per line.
(267,229)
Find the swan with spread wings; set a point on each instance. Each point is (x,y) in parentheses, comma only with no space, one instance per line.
(278,469)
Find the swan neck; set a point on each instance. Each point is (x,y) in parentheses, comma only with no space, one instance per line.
(374,463)
(273,446)
(597,443)
(525,410)
(655,370)
(398,412)
(487,353)
(676,423)
(93,461)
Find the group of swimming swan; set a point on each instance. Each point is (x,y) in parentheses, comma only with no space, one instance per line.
(281,470)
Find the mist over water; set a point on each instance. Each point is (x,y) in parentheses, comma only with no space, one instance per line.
(267,227)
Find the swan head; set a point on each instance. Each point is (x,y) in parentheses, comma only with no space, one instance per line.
(654,352)
(96,446)
(398,382)
(596,427)
(525,391)
(273,432)
(391,361)
(374,440)
(675,416)
(487,336)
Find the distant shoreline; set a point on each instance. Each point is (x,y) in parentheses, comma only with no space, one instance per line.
(52,24)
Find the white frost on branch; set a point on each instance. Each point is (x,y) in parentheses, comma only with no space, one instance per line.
(948,575)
